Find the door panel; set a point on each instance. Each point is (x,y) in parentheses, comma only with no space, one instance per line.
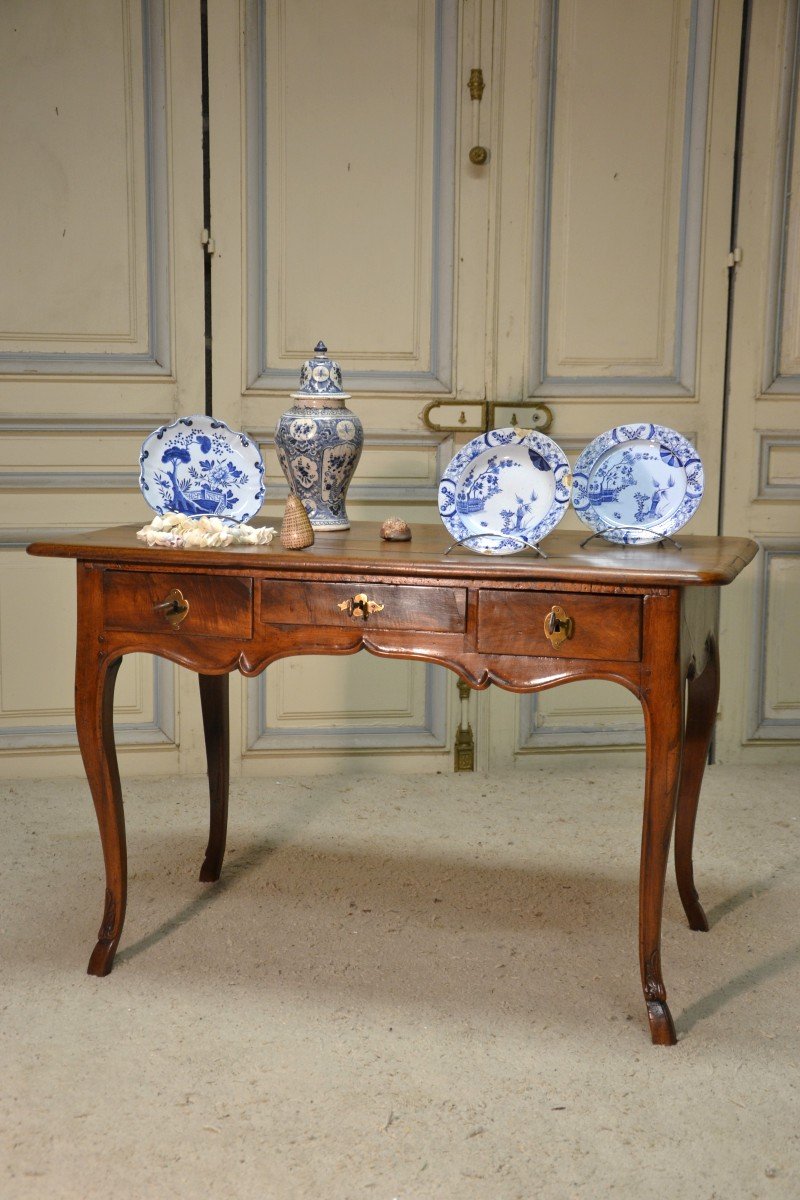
(348,224)
(617,133)
(761,718)
(101,330)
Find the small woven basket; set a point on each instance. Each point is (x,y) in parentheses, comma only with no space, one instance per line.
(296,531)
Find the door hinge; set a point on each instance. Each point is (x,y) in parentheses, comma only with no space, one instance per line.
(207,240)
(464,749)
(735,257)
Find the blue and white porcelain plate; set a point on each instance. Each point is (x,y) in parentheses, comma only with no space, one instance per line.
(199,467)
(505,490)
(636,484)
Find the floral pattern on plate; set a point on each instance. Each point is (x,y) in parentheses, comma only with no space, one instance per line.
(504,490)
(636,484)
(199,467)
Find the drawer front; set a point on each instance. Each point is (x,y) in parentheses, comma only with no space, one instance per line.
(603,627)
(307,602)
(219,605)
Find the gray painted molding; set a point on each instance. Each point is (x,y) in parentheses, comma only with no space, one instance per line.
(773,382)
(46,479)
(628,733)
(157,360)
(66,423)
(439,379)
(682,381)
(775,491)
(432,735)
(438,444)
(158,732)
(762,727)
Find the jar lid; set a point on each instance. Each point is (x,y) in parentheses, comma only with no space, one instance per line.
(320,376)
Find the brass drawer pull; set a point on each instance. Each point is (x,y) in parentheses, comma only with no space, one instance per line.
(557,626)
(360,606)
(174,608)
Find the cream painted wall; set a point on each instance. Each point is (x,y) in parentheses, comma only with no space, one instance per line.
(585,266)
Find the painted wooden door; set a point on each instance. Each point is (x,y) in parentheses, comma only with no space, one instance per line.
(341,212)
(761,719)
(611,207)
(583,266)
(101,332)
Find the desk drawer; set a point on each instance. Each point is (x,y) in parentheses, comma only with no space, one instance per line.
(219,605)
(603,627)
(307,602)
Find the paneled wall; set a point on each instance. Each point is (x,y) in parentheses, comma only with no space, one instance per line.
(762,466)
(100,331)
(611,218)
(585,266)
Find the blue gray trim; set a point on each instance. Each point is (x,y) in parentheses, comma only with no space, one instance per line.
(158,732)
(681,381)
(762,727)
(533,737)
(439,379)
(766,443)
(156,361)
(774,382)
(386,739)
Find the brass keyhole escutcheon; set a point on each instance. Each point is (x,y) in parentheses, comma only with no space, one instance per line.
(360,606)
(175,608)
(557,626)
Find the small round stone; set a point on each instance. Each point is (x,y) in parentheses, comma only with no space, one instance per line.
(394,529)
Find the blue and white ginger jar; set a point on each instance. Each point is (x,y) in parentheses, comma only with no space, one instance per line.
(319,442)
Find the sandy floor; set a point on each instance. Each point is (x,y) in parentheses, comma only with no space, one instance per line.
(400,988)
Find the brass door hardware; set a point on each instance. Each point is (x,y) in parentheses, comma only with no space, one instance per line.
(360,606)
(557,626)
(478,155)
(175,608)
(482,415)
(464,745)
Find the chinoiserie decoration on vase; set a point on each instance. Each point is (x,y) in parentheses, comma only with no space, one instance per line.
(319,442)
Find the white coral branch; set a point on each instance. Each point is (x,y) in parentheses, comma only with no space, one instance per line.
(174,531)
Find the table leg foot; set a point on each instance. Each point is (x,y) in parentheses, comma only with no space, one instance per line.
(695,913)
(211,869)
(102,959)
(662,1029)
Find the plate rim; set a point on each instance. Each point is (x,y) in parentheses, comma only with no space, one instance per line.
(656,530)
(215,423)
(546,446)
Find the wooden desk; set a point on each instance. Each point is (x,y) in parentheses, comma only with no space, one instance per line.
(644,617)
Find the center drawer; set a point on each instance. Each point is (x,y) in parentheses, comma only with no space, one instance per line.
(404,606)
(603,626)
(219,605)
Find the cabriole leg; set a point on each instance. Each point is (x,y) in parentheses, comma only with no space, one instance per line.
(94,711)
(701,712)
(663,709)
(216,728)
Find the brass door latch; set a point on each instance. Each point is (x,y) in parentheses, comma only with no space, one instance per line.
(557,626)
(479,416)
(360,606)
(175,608)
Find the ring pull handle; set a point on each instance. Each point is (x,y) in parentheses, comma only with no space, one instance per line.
(360,606)
(175,608)
(557,626)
